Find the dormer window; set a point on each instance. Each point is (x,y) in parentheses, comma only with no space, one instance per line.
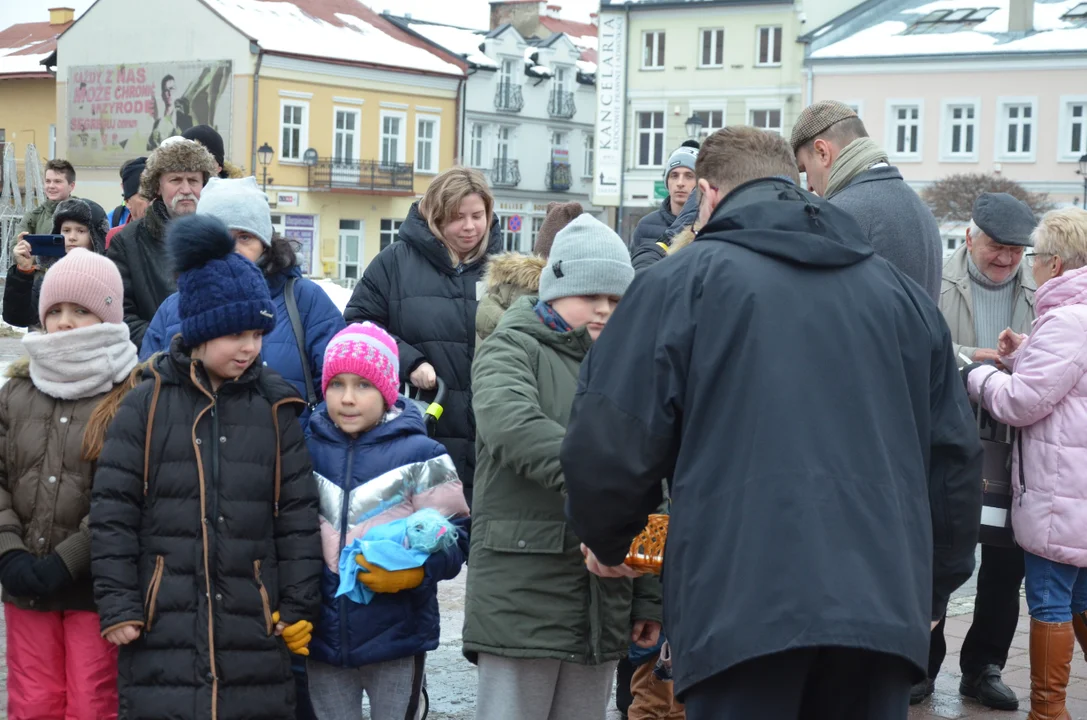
(945,21)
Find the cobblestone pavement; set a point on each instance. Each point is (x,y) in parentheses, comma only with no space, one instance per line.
(451,680)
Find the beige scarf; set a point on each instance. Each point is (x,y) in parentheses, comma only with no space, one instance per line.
(855,158)
(80,363)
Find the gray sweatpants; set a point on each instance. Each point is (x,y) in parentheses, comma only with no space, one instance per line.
(393,689)
(533,689)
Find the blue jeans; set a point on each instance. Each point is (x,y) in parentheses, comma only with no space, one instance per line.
(1054,591)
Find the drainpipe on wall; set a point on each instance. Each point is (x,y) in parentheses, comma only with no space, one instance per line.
(626,105)
(811,86)
(256,97)
(462,114)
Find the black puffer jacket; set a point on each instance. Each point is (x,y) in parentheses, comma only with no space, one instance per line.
(187,542)
(652,226)
(139,251)
(649,253)
(412,290)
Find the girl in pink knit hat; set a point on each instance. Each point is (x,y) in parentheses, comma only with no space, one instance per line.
(51,426)
(374,463)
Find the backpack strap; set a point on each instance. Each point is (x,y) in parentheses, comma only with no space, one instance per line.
(300,339)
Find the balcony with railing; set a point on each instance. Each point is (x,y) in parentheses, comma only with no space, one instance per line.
(505,173)
(561,105)
(369,176)
(508,98)
(559,177)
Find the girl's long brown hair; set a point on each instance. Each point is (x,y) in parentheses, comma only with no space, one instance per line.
(95,434)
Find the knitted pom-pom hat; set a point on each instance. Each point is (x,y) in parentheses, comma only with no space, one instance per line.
(367,351)
(219,291)
(86,279)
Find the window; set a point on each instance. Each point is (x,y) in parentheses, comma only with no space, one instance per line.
(427,129)
(505,140)
(650,139)
(960,134)
(558,140)
(345,139)
(767,119)
(537,223)
(769,46)
(559,81)
(713,48)
(905,130)
(1016,137)
(294,130)
(475,145)
(508,73)
(350,246)
(393,144)
(712,120)
(1073,143)
(511,239)
(587,170)
(389,230)
(653,50)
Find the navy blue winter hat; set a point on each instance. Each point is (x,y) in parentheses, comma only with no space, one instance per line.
(219,291)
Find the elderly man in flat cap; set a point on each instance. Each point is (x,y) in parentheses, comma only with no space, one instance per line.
(986,288)
(849,169)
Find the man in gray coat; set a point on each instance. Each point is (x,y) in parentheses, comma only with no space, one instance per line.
(986,288)
(849,169)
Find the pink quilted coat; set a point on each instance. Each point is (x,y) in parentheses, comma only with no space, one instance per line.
(1046,395)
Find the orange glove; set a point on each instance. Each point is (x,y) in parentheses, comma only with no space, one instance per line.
(381,580)
(297,636)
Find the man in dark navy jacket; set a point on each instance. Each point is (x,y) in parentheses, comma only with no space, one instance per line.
(802,396)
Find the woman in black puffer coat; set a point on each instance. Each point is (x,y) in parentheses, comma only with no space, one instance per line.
(424,290)
(204,536)
(83,224)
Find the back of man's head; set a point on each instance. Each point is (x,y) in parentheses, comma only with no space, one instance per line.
(739,154)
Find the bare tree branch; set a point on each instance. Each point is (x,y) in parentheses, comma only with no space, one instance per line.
(953,197)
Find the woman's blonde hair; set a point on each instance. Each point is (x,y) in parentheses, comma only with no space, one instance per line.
(1063,233)
(442,200)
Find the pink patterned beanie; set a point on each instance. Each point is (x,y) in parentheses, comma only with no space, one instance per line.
(367,351)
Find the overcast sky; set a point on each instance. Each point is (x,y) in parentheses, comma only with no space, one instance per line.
(468,13)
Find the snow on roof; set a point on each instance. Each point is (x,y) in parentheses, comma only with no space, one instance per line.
(586,67)
(25,45)
(582,35)
(285,27)
(885,38)
(461,41)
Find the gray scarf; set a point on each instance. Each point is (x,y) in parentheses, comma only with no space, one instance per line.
(80,363)
(855,158)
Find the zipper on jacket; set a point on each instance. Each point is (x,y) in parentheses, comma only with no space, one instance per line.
(213,492)
(343,544)
(266,603)
(151,601)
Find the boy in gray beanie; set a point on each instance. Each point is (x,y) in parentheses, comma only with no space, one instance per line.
(549,644)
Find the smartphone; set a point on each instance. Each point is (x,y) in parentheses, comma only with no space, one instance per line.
(46,245)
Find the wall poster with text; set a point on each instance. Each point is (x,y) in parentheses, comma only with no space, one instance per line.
(117,112)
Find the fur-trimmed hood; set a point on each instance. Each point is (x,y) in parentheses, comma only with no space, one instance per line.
(520,271)
(684,238)
(175,155)
(231,171)
(19,368)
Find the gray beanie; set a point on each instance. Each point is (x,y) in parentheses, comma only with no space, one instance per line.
(588,258)
(682,157)
(239,204)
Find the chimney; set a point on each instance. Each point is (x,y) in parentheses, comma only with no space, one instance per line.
(594,19)
(553,11)
(61,15)
(1021,16)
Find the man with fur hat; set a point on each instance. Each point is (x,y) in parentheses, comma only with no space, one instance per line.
(173,179)
(83,224)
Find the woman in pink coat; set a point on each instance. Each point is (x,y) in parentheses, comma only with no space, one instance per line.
(1046,396)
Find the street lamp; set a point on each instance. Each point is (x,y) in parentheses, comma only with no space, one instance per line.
(264,154)
(1083,171)
(694,126)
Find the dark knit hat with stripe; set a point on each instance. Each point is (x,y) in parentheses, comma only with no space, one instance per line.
(219,291)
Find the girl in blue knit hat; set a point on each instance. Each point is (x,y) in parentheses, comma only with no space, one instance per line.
(205,549)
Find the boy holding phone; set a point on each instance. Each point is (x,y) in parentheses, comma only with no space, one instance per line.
(81,223)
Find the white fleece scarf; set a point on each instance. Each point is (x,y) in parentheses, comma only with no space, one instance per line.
(80,363)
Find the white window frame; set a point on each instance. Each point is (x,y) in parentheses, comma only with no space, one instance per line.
(771,47)
(714,47)
(753,108)
(638,133)
(707,130)
(1064,153)
(893,105)
(563,137)
(341,254)
(588,147)
(435,143)
(402,138)
(382,232)
(947,124)
(659,48)
(560,81)
(357,147)
(511,77)
(477,143)
(303,130)
(1001,153)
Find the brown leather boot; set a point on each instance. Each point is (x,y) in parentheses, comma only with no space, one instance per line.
(1079,624)
(1051,648)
